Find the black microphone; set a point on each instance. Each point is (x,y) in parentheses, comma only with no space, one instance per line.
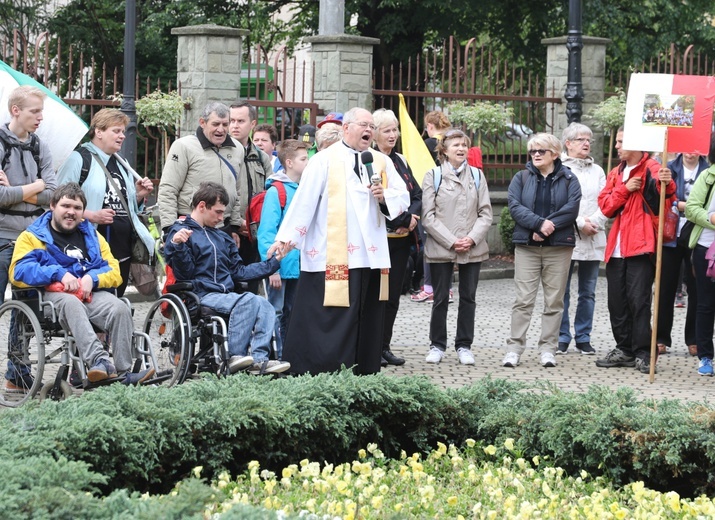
(366,158)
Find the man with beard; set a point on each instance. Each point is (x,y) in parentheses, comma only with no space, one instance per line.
(337,220)
(62,247)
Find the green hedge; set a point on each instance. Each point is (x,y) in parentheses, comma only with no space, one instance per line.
(147,439)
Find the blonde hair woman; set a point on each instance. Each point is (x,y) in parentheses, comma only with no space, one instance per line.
(544,202)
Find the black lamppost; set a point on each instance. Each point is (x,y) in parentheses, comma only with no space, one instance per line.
(574,43)
(129,147)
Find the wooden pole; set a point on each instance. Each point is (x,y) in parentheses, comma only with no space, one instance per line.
(658,265)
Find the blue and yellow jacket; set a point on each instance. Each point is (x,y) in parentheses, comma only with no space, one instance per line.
(37,261)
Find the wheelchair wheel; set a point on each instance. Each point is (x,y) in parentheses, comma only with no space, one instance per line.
(22,358)
(168,326)
(64,392)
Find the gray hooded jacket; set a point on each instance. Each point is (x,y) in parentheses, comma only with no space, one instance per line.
(20,169)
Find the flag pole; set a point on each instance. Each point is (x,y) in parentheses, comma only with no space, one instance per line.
(658,264)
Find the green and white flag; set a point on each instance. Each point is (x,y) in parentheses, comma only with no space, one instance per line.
(61,128)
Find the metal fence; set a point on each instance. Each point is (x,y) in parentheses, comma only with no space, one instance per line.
(84,85)
(452,72)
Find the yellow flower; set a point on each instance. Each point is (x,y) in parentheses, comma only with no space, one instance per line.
(341,486)
(398,507)
(362,453)
(452,501)
(535,460)
(490,450)
(441,448)
(376,502)
(673,500)
(509,444)
(470,443)
(371,447)
(198,469)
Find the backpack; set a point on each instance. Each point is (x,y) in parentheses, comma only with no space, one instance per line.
(476,174)
(33,146)
(86,163)
(255,208)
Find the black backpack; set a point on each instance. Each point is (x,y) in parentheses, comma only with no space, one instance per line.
(33,146)
(86,163)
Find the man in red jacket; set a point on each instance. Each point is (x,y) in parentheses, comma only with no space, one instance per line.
(631,195)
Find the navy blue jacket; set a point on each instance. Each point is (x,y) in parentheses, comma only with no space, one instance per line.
(565,200)
(210,260)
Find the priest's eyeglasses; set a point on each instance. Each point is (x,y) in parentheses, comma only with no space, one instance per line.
(363,124)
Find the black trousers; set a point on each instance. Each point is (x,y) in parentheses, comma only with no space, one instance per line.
(249,255)
(705,316)
(442,274)
(673,259)
(630,287)
(322,339)
(399,254)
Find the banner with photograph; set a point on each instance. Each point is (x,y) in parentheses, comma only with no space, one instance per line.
(681,104)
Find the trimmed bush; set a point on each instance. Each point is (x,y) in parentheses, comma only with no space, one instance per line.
(147,439)
(506,229)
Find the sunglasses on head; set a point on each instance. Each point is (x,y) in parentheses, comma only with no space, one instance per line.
(540,151)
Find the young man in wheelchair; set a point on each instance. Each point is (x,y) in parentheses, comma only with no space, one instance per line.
(198,251)
(62,247)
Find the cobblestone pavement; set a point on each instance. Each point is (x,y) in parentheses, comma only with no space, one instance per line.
(676,377)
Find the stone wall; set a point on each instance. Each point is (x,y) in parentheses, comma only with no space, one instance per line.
(593,73)
(209,67)
(343,71)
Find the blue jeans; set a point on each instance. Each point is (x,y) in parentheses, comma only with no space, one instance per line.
(5,258)
(250,322)
(282,302)
(583,321)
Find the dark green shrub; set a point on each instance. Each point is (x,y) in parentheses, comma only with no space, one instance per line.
(121,441)
(506,229)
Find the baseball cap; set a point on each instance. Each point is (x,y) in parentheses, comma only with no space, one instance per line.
(306,133)
(332,117)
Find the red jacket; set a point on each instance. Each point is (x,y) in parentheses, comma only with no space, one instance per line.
(633,221)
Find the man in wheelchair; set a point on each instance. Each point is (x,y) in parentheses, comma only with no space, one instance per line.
(62,247)
(198,251)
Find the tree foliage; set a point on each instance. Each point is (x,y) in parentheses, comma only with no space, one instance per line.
(639,30)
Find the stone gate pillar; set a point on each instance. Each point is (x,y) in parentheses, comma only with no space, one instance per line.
(208,67)
(343,71)
(593,73)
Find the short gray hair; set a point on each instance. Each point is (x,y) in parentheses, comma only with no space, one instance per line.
(546,141)
(220,109)
(572,131)
(351,115)
(329,134)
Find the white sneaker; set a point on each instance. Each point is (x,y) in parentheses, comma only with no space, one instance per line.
(237,363)
(273,366)
(511,360)
(465,356)
(548,359)
(435,355)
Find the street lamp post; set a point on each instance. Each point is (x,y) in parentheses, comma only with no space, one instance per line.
(574,44)
(129,147)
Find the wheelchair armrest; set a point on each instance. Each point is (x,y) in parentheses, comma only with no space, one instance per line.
(180,287)
(241,287)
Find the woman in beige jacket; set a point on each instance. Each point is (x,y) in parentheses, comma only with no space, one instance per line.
(457,214)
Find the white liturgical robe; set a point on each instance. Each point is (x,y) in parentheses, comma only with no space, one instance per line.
(305,222)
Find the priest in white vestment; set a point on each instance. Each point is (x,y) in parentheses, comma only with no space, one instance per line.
(337,220)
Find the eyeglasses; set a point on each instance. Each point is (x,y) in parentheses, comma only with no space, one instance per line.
(363,124)
(540,152)
(582,140)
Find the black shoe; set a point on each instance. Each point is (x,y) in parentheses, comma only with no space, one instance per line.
(616,358)
(563,347)
(383,362)
(388,358)
(643,366)
(586,348)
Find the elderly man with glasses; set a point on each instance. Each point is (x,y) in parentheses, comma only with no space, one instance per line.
(337,220)
(590,239)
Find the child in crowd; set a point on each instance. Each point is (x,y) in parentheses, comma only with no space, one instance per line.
(280,189)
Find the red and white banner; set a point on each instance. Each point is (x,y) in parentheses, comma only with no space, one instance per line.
(682,105)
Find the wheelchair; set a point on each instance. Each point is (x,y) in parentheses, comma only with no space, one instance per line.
(38,346)
(188,338)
